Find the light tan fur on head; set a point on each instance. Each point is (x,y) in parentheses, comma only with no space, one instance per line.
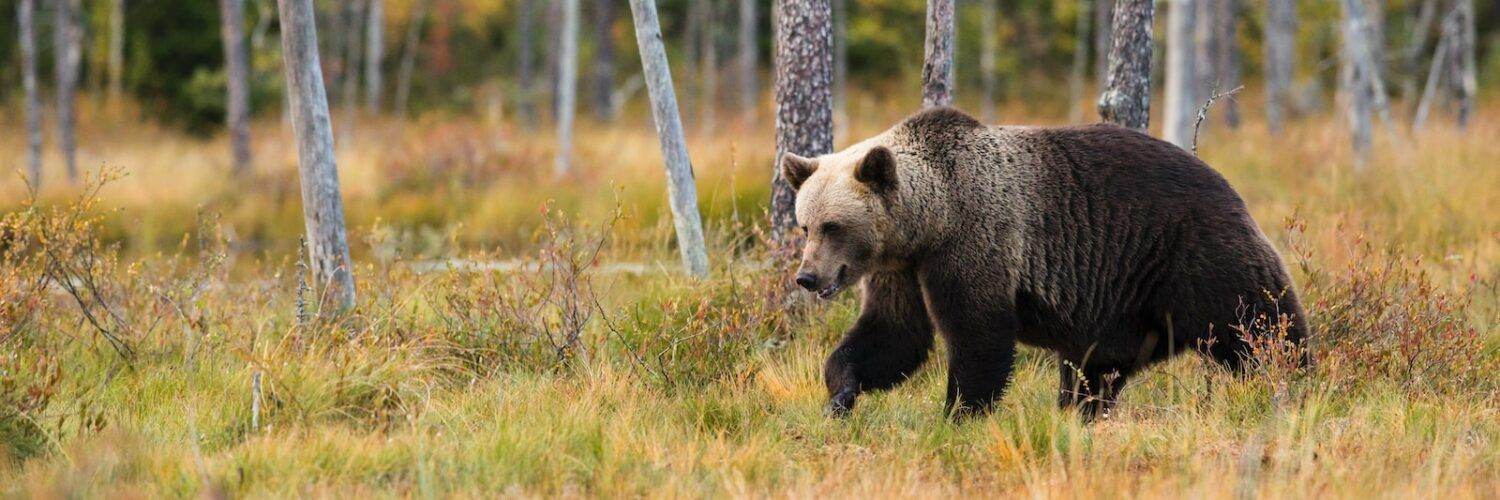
(840,209)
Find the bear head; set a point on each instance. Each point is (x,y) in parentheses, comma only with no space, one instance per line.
(842,209)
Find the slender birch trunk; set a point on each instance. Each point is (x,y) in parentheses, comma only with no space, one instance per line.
(1359,75)
(66,50)
(116,64)
(567,86)
(1440,58)
(1080,60)
(748,55)
(26,21)
(237,73)
(374,55)
(1281,60)
(322,205)
(604,60)
(682,191)
(1466,78)
(1126,100)
(1182,73)
(1226,55)
(1411,56)
(989,48)
(937,60)
(410,46)
(804,100)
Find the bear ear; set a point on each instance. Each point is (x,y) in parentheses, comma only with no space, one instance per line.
(877,169)
(797,169)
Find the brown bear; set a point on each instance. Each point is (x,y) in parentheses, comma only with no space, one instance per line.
(1107,246)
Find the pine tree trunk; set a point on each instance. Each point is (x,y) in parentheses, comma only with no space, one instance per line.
(237,73)
(804,100)
(1182,73)
(1466,78)
(708,48)
(1126,100)
(682,191)
(525,86)
(749,55)
(410,46)
(1080,61)
(1281,60)
(322,205)
(26,21)
(1103,19)
(937,60)
(116,64)
(567,86)
(604,60)
(66,35)
(989,48)
(840,68)
(374,55)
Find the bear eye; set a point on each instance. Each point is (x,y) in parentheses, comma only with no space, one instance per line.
(830,228)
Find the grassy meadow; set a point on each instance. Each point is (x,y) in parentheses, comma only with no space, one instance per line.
(524,334)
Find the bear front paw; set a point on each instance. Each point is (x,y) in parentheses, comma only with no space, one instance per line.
(841,404)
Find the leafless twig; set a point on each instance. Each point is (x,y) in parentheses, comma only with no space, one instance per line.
(1203,112)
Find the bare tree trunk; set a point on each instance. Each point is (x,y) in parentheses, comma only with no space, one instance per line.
(1182,73)
(1359,76)
(682,190)
(937,60)
(989,48)
(604,60)
(1080,60)
(1466,78)
(410,46)
(1281,59)
(708,48)
(1411,56)
(1440,58)
(26,21)
(1226,55)
(525,87)
(349,97)
(116,64)
(567,86)
(322,205)
(748,56)
(804,100)
(237,73)
(840,68)
(374,55)
(1103,18)
(66,49)
(1126,100)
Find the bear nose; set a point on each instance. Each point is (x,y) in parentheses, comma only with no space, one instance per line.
(807,280)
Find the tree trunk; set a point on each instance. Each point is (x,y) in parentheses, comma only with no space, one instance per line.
(1359,76)
(989,48)
(1226,55)
(840,68)
(237,74)
(748,56)
(1182,73)
(1126,100)
(374,55)
(116,64)
(682,191)
(1440,58)
(567,86)
(937,60)
(708,48)
(1080,59)
(410,46)
(1281,60)
(322,205)
(604,60)
(67,52)
(1103,18)
(525,87)
(26,21)
(1411,56)
(804,101)
(1466,78)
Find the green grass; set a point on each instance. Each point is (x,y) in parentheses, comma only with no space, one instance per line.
(452,383)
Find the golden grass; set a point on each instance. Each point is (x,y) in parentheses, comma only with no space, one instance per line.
(388,403)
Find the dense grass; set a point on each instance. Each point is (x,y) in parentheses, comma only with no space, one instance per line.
(634,380)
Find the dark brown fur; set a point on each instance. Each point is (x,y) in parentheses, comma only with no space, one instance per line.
(1109,247)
